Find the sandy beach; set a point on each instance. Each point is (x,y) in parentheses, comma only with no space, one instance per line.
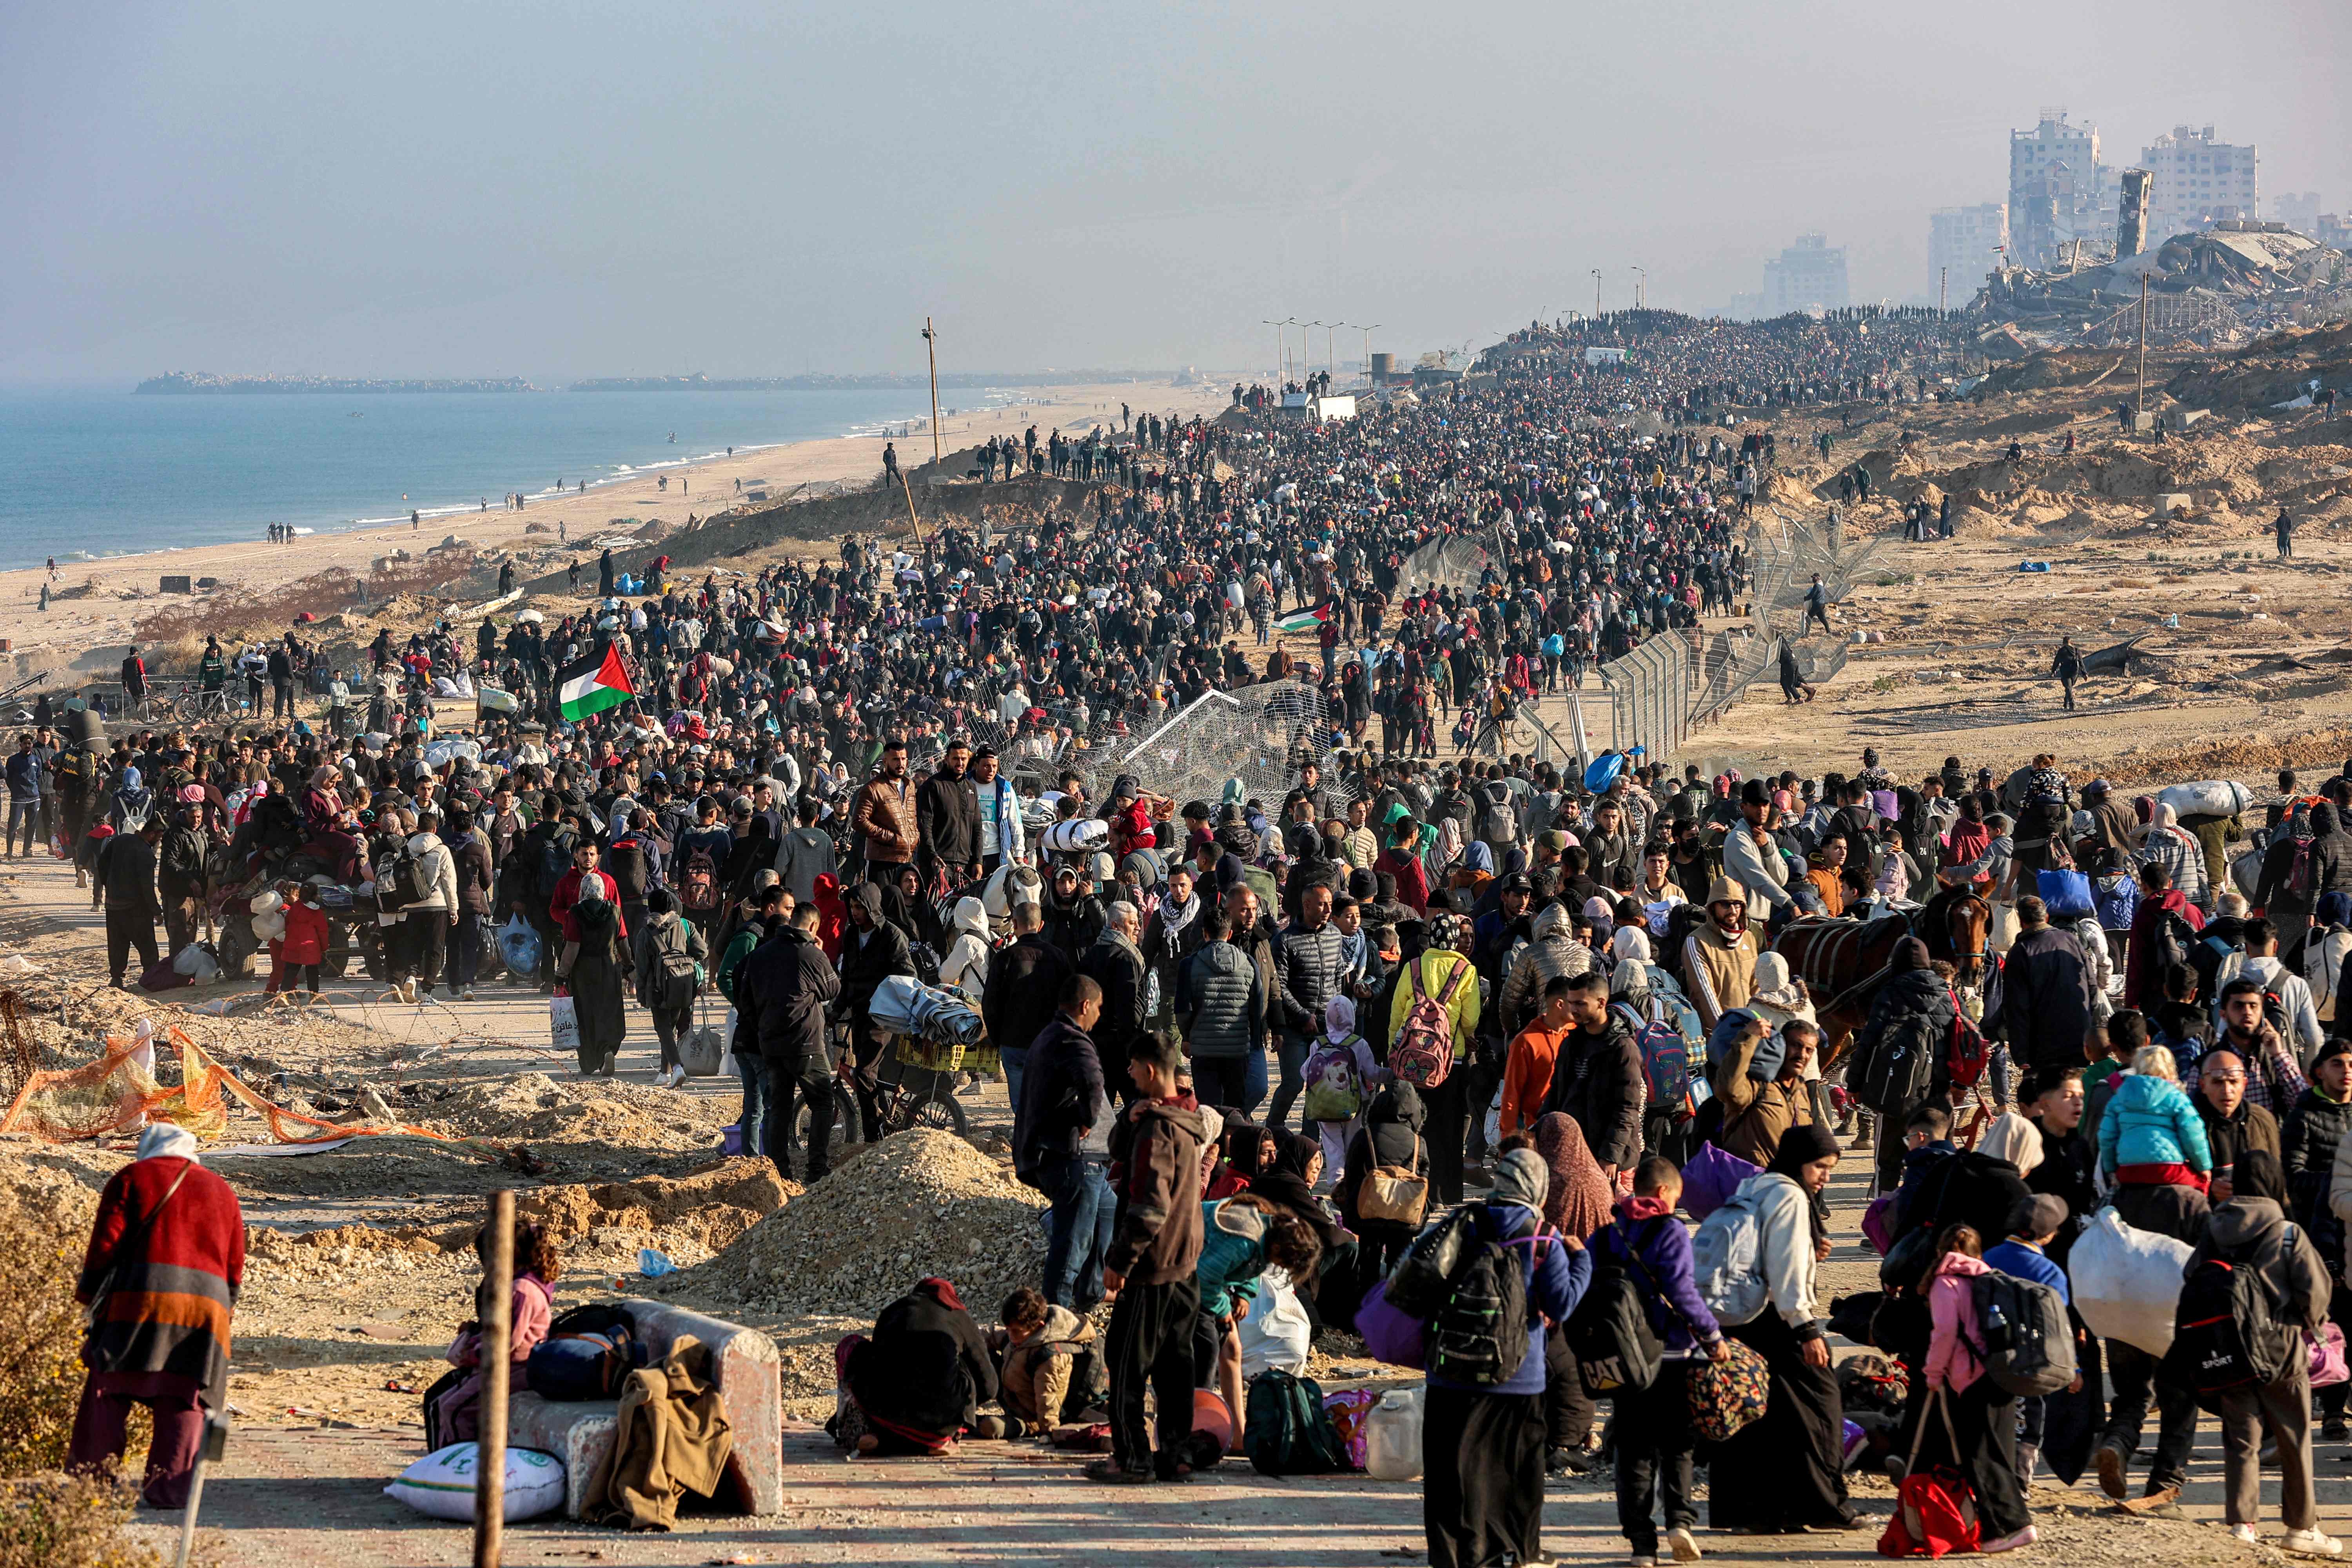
(87,635)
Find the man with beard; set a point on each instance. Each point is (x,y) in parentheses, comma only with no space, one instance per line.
(1720,955)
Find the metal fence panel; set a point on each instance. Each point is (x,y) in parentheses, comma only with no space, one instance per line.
(1649,694)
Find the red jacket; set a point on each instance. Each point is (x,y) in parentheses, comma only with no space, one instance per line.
(170,1302)
(2138,982)
(305,941)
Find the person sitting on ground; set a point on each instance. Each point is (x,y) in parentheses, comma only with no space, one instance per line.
(917,1381)
(1049,1364)
(452,1412)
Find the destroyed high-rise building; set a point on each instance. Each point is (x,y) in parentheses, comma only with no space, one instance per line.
(2199,181)
(2061,197)
(1964,245)
(2131,217)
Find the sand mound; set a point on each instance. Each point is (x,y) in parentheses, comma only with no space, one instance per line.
(920,1203)
(536,1108)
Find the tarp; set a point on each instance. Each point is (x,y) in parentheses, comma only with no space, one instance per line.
(114,1093)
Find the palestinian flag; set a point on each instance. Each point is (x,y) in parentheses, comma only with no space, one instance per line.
(1307,620)
(593,684)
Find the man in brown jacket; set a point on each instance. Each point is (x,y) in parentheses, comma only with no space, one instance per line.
(884,816)
(1757,1109)
(1720,955)
(1150,1266)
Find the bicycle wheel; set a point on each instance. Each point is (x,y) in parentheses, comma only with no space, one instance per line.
(847,1128)
(938,1111)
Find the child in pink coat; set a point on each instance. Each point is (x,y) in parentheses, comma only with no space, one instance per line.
(1981,1442)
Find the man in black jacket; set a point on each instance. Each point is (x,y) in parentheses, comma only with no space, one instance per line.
(1018,999)
(1064,1149)
(1597,1077)
(781,991)
(947,819)
(1116,965)
(1309,964)
(181,878)
(872,950)
(126,881)
(2045,993)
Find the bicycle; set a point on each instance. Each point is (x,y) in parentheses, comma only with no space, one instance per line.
(906,1097)
(198,706)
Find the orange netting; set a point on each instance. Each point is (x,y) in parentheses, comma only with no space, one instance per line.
(112,1093)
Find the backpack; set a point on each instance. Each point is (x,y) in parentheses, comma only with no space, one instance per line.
(1936,1510)
(1727,1261)
(1498,824)
(582,1363)
(1965,1050)
(2224,1335)
(1285,1431)
(1334,1092)
(1666,1064)
(1610,1335)
(400,881)
(625,863)
(1479,1334)
(1417,1285)
(699,890)
(678,979)
(554,860)
(1422,1052)
(1892,1076)
(2028,1343)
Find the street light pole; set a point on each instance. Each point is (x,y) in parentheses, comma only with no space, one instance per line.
(1640,276)
(932,347)
(1596,296)
(1368,354)
(1278,342)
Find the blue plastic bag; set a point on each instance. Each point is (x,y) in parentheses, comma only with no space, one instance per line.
(519,947)
(2067,894)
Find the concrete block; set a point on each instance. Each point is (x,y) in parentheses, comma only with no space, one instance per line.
(2172,504)
(2142,424)
(2182,418)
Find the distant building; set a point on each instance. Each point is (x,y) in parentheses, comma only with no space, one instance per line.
(2198,180)
(1809,276)
(1964,245)
(2299,210)
(2332,231)
(1745,308)
(2059,192)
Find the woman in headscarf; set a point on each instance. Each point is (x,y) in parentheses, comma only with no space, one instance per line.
(917,1381)
(1330,1295)
(596,966)
(1390,1138)
(133,802)
(1787,1472)
(1577,1204)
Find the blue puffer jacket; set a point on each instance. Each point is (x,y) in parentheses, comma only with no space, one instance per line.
(2149,1121)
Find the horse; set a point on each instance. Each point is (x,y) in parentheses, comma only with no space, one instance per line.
(1842,961)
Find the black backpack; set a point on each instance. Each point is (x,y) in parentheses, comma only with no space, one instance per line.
(1479,1335)
(1610,1335)
(2224,1334)
(1892,1076)
(1286,1431)
(2029,1344)
(1418,1284)
(400,881)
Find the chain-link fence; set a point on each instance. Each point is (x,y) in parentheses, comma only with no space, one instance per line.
(1455,561)
(1649,695)
(1732,662)
(1820,659)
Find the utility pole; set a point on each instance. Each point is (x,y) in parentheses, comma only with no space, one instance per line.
(1641,277)
(490,1464)
(2139,405)
(932,347)
(1944,291)
(1596,294)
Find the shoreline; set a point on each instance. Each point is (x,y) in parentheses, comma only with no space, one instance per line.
(87,636)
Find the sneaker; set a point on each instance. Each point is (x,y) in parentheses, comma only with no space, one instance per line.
(2311,1543)
(1681,1543)
(2110,1462)
(466,995)
(2025,1537)
(2247,1534)
(1643,1559)
(2334,1430)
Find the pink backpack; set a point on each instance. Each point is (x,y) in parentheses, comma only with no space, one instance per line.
(1422,1052)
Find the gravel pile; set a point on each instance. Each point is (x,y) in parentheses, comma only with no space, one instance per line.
(920,1203)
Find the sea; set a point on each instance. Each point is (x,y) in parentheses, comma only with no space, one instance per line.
(86,474)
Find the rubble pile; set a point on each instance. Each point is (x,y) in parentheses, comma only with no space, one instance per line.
(920,1203)
(583,1127)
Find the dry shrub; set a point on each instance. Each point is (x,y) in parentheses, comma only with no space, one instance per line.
(268,606)
(43,1235)
(69,1521)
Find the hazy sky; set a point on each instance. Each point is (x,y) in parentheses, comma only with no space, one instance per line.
(586,188)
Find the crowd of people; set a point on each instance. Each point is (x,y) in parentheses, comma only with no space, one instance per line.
(1261,1046)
